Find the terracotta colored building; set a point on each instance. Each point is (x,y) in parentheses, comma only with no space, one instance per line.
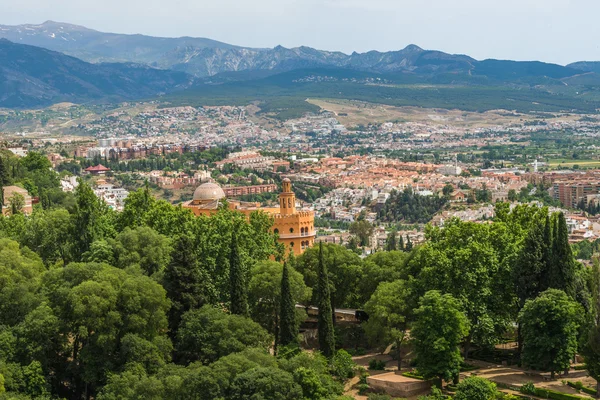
(295,228)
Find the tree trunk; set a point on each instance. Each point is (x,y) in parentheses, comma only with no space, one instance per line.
(399,353)
(519,339)
(467,348)
(552,374)
(598,389)
(276,334)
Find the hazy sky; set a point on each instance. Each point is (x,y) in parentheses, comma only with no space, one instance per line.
(560,31)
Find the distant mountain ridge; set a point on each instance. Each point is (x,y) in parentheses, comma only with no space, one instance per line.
(34,77)
(203,57)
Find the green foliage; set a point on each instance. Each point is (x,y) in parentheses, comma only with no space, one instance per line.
(266,302)
(208,334)
(390,312)
(344,273)
(288,332)
(376,365)
(187,282)
(342,366)
(550,326)
(475,388)
(238,288)
(410,207)
(325,319)
(437,333)
(265,383)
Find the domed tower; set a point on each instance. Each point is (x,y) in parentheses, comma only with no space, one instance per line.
(287,199)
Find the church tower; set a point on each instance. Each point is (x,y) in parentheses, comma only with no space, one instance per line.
(287,199)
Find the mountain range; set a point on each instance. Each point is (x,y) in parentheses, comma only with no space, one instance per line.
(33,77)
(50,62)
(203,57)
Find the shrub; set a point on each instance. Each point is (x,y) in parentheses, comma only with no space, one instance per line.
(376,365)
(363,388)
(375,396)
(342,366)
(413,374)
(528,388)
(475,388)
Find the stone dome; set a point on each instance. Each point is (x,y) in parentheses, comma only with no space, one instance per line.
(208,192)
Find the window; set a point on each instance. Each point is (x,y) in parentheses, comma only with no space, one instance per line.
(292,244)
(276,231)
(291,230)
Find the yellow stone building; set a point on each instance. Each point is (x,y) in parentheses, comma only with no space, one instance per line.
(295,228)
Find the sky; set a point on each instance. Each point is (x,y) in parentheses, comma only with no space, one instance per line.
(559,31)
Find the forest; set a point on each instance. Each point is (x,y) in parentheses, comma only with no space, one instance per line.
(154,303)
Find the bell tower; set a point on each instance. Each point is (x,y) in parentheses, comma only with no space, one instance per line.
(287,199)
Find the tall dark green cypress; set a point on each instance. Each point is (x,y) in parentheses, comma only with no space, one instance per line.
(401,243)
(288,331)
(237,280)
(3,180)
(391,243)
(529,269)
(562,274)
(547,254)
(325,322)
(409,244)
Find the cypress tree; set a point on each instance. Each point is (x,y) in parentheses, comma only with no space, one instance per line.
(527,274)
(288,331)
(237,280)
(562,274)
(401,243)
(409,245)
(3,180)
(547,254)
(390,244)
(325,321)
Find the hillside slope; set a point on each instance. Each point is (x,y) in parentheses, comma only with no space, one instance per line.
(33,77)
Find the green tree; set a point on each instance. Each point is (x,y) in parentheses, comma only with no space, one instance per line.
(265,383)
(188,285)
(562,274)
(550,326)
(447,190)
(288,332)
(344,272)
(472,262)
(265,297)
(475,388)
(437,332)
(20,279)
(390,310)
(237,281)
(391,242)
(208,334)
(325,321)
(512,195)
(591,345)
(17,202)
(382,266)
(529,270)
(91,219)
(142,246)
(363,230)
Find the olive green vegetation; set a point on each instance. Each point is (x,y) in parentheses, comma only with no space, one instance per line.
(283,96)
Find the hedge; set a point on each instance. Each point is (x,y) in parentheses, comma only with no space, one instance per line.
(579,386)
(545,393)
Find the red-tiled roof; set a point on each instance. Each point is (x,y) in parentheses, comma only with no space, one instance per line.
(97,168)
